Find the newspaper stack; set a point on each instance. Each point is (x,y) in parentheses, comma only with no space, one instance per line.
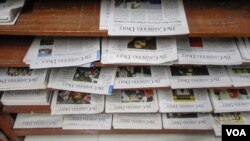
(27,97)
(86,80)
(14,78)
(199,77)
(137,121)
(142,77)
(244,47)
(184,101)
(10,10)
(88,122)
(48,52)
(190,121)
(26,120)
(229,119)
(132,101)
(138,50)
(231,100)
(145,17)
(68,102)
(208,51)
(240,75)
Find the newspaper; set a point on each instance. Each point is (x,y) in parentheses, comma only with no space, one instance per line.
(240,75)
(199,77)
(68,102)
(138,50)
(132,101)
(86,80)
(230,100)
(49,52)
(128,77)
(137,121)
(88,122)
(14,78)
(210,51)
(147,18)
(26,97)
(220,119)
(188,121)
(184,101)
(244,47)
(26,120)
(104,14)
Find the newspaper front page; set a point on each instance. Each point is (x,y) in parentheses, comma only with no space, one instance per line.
(240,75)
(147,18)
(68,102)
(244,47)
(105,14)
(132,101)
(184,101)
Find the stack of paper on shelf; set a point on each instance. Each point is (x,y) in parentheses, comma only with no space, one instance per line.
(26,97)
(104,14)
(10,10)
(184,101)
(137,121)
(220,119)
(68,102)
(14,78)
(208,51)
(48,52)
(87,80)
(132,101)
(244,47)
(230,100)
(138,50)
(88,122)
(198,121)
(26,120)
(240,75)
(128,77)
(199,77)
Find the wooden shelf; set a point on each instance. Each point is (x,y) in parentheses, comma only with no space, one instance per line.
(27,109)
(206,18)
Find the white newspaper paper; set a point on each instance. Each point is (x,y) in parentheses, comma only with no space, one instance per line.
(240,75)
(87,80)
(88,122)
(26,120)
(68,102)
(147,18)
(132,101)
(105,14)
(187,121)
(244,47)
(184,101)
(137,121)
(199,77)
(230,100)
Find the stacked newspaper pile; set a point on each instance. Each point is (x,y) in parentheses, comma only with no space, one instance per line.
(27,97)
(48,52)
(143,17)
(68,102)
(14,78)
(10,10)
(244,47)
(230,100)
(240,75)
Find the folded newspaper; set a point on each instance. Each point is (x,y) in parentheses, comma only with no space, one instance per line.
(230,100)
(208,51)
(244,48)
(104,14)
(142,77)
(86,80)
(220,119)
(137,121)
(26,120)
(132,101)
(68,102)
(26,97)
(240,75)
(184,101)
(14,78)
(189,121)
(138,50)
(48,52)
(199,77)
(147,18)
(88,122)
